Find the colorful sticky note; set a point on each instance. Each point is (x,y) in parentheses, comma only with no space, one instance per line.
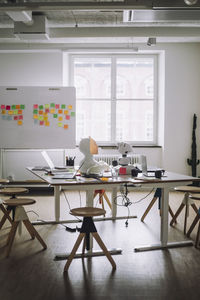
(15,118)
(10,112)
(13,106)
(3,106)
(57,106)
(47,110)
(19,122)
(69,106)
(66,112)
(46,123)
(72,114)
(19,112)
(35,111)
(35,106)
(67,117)
(15,112)
(46,105)
(41,106)
(60,125)
(40,118)
(41,123)
(17,106)
(21,117)
(40,112)
(60,118)
(52,111)
(9,118)
(22,106)
(63,106)
(52,105)
(60,111)
(3,112)
(55,115)
(35,116)
(66,126)
(35,121)
(7,107)
(45,118)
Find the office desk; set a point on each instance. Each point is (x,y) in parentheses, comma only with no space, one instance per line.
(171,180)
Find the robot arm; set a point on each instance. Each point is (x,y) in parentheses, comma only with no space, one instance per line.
(124,149)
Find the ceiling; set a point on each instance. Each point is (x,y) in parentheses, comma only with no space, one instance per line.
(94,23)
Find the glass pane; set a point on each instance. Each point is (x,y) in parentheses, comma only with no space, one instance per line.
(93,119)
(92,78)
(134,121)
(135,78)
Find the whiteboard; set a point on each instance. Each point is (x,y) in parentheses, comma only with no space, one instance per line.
(37,117)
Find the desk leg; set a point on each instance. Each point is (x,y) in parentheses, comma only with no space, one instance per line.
(57,202)
(164,228)
(114,206)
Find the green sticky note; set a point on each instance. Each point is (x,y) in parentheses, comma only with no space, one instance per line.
(63,106)
(60,124)
(22,106)
(13,106)
(41,106)
(72,113)
(46,105)
(55,115)
(52,105)
(40,118)
(15,112)
(35,111)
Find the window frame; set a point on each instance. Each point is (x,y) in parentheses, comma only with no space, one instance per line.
(113,97)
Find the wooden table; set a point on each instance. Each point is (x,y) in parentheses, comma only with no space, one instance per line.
(169,181)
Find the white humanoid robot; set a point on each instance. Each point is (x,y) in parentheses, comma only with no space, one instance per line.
(124,149)
(89,165)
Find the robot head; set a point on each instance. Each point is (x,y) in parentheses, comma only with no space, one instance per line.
(88,146)
(124,148)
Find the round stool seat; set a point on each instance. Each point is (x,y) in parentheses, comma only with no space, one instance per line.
(13,191)
(187,189)
(194,197)
(87,211)
(2,180)
(19,201)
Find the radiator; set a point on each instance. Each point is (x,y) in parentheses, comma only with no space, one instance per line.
(108,158)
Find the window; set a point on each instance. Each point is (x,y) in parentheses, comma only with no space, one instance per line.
(116,97)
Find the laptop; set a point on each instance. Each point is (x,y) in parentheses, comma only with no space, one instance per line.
(58,172)
(151,171)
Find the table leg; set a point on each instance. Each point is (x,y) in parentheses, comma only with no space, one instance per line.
(57,202)
(114,206)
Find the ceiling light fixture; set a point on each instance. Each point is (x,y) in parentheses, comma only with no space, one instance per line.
(190,2)
(151,41)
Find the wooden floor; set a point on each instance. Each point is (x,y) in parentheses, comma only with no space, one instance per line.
(33,274)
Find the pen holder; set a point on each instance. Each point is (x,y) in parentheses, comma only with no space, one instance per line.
(70,161)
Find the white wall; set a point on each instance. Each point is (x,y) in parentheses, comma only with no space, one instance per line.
(181,97)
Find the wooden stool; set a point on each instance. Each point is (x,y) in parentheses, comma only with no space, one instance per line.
(195,221)
(102,195)
(156,196)
(6,211)
(187,190)
(88,227)
(3,209)
(16,205)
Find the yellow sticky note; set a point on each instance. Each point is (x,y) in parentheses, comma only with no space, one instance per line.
(69,106)
(35,116)
(60,125)
(19,122)
(46,123)
(45,118)
(52,110)
(66,112)
(10,112)
(60,118)
(3,111)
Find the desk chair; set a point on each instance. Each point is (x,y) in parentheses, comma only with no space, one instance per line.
(88,227)
(186,202)
(102,195)
(2,208)
(195,221)
(156,196)
(19,215)
(12,192)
